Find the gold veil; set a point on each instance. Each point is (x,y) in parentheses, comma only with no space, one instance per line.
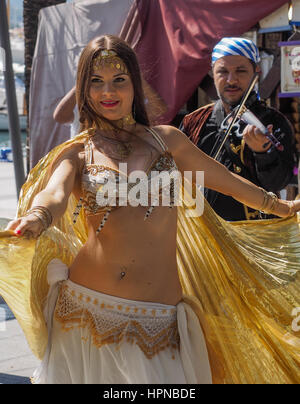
(242,279)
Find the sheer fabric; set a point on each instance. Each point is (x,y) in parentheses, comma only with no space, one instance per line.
(101,339)
(242,280)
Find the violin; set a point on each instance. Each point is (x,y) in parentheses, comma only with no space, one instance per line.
(245,115)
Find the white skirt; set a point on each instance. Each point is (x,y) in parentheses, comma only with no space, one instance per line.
(95,338)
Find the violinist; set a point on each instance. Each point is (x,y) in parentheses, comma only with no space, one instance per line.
(247,151)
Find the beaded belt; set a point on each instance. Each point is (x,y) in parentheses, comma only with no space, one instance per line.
(112,320)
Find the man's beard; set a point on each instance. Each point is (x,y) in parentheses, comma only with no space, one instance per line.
(231,104)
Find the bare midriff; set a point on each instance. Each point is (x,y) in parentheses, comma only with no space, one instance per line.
(131,258)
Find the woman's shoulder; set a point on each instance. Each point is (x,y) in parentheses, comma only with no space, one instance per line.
(165,129)
(73,152)
(159,131)
(171,135)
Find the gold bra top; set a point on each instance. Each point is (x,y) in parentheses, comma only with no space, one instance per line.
(105,189)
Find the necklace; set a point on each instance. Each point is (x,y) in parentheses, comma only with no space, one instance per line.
(123,148)
(118,150)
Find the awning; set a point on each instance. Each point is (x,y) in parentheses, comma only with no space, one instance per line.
(174,40)
(63,32)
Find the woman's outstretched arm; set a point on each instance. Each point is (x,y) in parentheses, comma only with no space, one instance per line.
(217,177)
(53,198)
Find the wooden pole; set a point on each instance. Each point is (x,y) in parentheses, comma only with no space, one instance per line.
(13,115)
(31,9)
(8,12)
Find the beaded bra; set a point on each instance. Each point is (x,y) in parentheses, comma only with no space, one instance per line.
(95,177)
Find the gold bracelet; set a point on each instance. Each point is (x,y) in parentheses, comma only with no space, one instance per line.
(43,214)
(41,219)
(274,200)
(267,197)
(266,200)
(292,206)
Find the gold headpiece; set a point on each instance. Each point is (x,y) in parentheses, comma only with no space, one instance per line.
(109,57)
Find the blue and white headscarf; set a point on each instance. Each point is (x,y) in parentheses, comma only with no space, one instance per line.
(235,46)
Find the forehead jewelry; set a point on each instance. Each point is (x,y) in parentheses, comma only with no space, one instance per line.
(110,58)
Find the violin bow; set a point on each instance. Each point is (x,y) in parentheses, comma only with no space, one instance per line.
(239,111)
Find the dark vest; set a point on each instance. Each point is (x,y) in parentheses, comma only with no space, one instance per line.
(203,127)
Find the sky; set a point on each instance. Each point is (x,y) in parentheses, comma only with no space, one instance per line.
(17,3)
(17,12)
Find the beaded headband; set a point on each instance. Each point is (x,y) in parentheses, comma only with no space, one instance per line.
(110,58)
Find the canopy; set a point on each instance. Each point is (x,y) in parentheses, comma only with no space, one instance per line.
(176,39)
(63,32)
(173,40)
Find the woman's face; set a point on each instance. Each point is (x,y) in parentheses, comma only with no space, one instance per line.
(111,92)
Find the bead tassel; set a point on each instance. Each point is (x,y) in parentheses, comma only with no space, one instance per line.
(148,213)
(77,210)
(103,221)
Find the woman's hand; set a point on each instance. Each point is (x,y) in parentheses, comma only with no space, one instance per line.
(50,204)
(30,227)
(286,209)
(294,207)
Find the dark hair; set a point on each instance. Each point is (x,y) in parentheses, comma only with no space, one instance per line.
(88,115)
(254,65)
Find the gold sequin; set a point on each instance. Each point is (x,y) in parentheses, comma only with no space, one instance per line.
(237,169)
(109,58)
(111,326)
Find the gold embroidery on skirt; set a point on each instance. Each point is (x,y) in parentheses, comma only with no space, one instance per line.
(152,331)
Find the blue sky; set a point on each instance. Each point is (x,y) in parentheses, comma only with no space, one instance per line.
(18,3)
(17,12)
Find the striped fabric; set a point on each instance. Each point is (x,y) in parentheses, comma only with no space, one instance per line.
(236,46)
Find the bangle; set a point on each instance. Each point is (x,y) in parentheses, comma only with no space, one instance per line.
(43,214)
(292,206)
(41,219)
(266,200)
(274,201)
(267,197)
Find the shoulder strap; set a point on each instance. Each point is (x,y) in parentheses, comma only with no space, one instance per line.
(88,151)
(158,139)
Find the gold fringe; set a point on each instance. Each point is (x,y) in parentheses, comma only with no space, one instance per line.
(71,314)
